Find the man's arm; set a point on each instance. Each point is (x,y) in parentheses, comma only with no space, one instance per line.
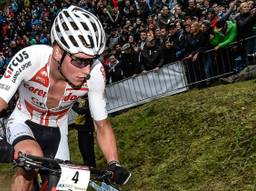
(106,139)
(105,134)
(107,142)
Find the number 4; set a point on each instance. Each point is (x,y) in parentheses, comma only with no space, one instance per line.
(75,177)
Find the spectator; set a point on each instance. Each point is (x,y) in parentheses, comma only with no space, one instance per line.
(164,34)
(115,70)
(114,17)
(137,28)
(169,52)
(193,66)
(158,5)
(129,10)
(157,36)
(128,60)
(164,18)
(151,56)
(193,9)
(206,56)
(117,51)
(139,48)
(212,17)
(181,38)
(178,13)
(245,22)
(224,34)
(85,128)
(113,39)
(124,34)
(143,10)
(142,41)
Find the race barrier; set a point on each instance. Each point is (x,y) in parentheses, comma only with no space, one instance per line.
(168,80)
(181,76)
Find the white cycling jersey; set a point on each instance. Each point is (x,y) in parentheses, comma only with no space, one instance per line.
(28,72)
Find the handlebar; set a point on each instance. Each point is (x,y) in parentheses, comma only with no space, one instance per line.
(31,162)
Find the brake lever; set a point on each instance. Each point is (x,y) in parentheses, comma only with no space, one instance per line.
(27,163)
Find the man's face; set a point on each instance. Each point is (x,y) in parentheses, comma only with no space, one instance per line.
(77,67)
(163,33)
(112,60)
(143,36)
(191,3)
(158,33)
(165,11)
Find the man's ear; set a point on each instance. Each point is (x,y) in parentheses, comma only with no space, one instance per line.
(57,53)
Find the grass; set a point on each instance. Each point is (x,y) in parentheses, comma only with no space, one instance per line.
(198,140)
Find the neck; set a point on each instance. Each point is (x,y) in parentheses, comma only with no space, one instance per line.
(54,71)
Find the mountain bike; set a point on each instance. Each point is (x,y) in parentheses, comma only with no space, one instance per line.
(60,175)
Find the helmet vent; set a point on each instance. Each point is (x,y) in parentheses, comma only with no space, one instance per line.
(85,26)
(64,25)
(94,26)
(64,42)
(83,41)
(75,27)
(87,16)
(57,28)
(91,41)
(72,39)
(66,13)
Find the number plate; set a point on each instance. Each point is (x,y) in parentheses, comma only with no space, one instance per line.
(73,178)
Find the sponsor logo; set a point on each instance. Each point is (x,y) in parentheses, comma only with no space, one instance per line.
(44,114)
(64,186)
(35,90)
(15,62)
(41,77)
(17,73)
(70,97)
(38,103)
(4,86)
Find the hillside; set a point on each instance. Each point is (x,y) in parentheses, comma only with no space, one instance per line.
(198,140)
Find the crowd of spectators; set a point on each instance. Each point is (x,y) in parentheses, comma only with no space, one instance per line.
(141,34)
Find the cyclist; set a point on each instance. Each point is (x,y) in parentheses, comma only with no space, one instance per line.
(49,80)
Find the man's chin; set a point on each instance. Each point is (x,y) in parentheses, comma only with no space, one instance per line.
(76,85)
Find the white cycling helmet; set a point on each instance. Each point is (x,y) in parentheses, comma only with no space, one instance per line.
(78,31)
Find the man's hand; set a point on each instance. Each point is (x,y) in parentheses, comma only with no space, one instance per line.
(120,174)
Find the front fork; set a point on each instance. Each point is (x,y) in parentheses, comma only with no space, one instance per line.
(50,183)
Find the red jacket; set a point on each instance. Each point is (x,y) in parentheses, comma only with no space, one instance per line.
(115,3)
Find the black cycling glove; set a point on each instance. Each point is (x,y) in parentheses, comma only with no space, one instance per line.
(120,174)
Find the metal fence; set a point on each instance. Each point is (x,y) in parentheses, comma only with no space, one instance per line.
(181,76)
(170,79)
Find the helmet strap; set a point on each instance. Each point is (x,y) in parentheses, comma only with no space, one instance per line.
(60,64)
(62,59)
